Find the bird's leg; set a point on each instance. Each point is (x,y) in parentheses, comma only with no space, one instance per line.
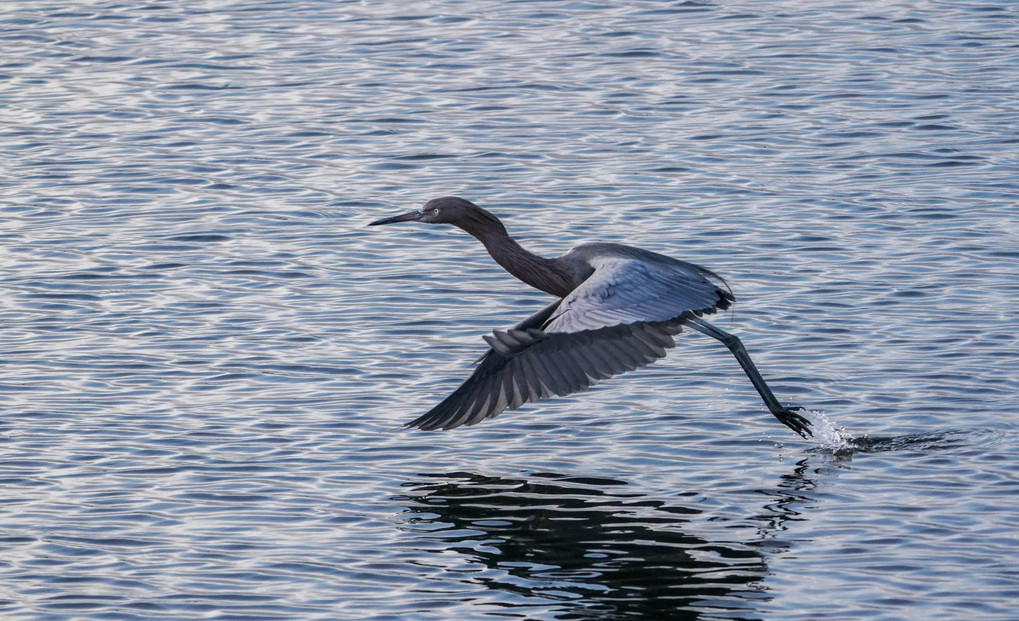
(784,414)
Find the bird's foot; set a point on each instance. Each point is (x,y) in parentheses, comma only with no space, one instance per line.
(794,421)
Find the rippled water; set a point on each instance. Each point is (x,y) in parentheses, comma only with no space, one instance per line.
(206,356)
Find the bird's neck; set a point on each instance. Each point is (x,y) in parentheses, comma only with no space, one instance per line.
(537,271)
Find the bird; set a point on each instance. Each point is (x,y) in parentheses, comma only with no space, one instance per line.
(617,308)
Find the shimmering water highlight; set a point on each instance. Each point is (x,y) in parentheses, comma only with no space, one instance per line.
(206,357)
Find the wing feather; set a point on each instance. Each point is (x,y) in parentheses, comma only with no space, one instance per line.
(624,316)
(625,290)
(540,364)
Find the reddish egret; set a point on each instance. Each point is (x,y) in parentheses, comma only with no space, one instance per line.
(619,308)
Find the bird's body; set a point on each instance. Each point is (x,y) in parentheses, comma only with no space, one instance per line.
(619,308)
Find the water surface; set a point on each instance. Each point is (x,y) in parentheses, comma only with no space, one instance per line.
(206,358)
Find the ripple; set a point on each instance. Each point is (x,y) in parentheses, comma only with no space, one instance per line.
(207,358)
(935,441)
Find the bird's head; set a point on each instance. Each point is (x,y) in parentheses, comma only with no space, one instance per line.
(446,210)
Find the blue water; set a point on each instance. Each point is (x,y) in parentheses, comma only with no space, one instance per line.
(206,357)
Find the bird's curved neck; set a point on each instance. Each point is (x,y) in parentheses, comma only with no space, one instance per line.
(537,271)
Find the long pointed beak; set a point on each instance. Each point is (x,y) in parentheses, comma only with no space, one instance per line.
(410,216)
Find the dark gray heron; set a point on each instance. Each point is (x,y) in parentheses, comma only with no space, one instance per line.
(618,309)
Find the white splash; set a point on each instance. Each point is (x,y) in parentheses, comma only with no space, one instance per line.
(828,434)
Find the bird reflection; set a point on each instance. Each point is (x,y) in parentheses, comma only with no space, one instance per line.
(595,549)
(585,548)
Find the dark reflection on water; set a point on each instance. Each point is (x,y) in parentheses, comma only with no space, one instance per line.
(923,442)
(793,491)
(596,548)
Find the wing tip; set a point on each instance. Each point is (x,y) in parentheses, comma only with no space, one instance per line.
(725,299)
(434,421)
(422,423)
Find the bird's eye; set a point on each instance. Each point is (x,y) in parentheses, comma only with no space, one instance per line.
(435,211)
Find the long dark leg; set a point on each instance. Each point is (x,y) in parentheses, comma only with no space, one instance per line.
(786,415)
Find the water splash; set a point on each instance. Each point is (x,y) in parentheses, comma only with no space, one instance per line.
(830,435)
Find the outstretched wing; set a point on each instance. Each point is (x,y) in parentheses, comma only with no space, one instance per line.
(629,290)
(526,365)
(623,317)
